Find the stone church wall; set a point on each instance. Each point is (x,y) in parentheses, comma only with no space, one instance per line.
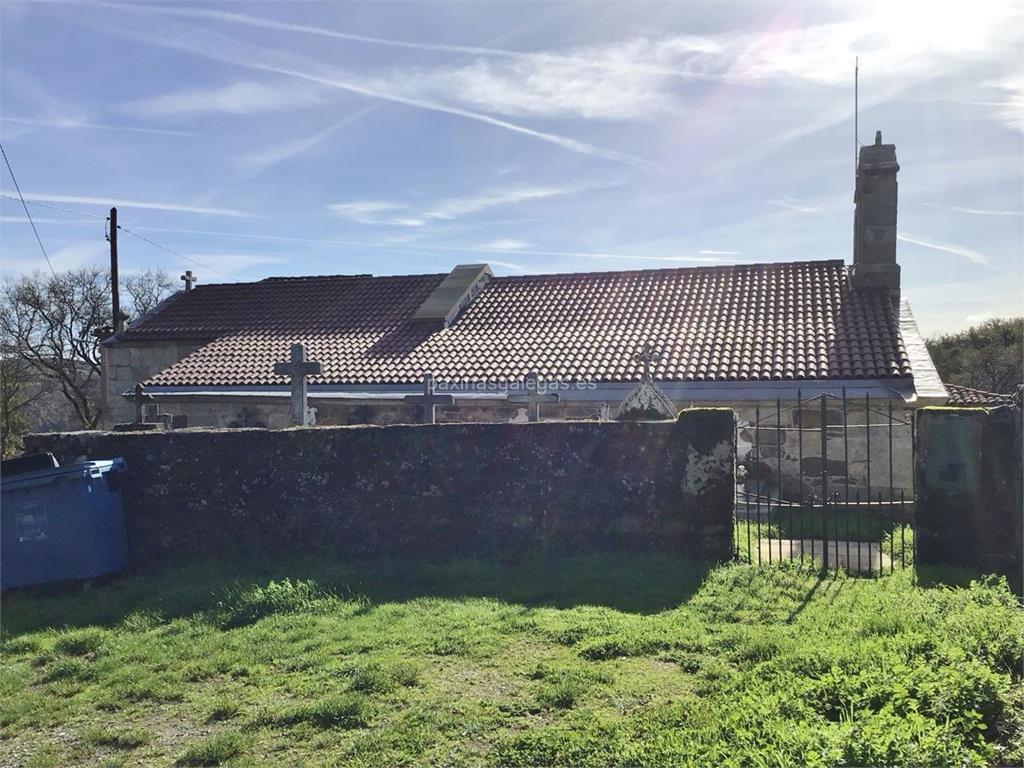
(433,490)
(124,365)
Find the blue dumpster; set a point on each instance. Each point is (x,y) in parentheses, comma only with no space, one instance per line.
(62,523)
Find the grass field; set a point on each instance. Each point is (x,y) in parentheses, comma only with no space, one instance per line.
(597,660)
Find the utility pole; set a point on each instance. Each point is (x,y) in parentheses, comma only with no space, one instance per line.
(115,291)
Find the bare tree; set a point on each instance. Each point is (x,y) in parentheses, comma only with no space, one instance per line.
(55,324)
(147,289)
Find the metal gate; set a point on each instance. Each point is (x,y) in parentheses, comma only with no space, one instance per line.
(828,480)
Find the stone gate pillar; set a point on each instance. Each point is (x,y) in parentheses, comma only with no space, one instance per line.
(968,478)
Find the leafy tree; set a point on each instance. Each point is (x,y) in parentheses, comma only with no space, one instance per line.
(54,324)
(989,356)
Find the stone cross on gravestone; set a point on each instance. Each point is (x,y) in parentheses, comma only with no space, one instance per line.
(297,369)
(189,278)
(139,398)
(428,400)
(532,397)
(647,357)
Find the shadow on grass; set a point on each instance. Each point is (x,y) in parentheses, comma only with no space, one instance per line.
(951,576)
(631,582)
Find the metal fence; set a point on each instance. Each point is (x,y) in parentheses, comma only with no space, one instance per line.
(827,479)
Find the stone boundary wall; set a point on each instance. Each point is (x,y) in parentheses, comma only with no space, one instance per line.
(431,490)
(969,488)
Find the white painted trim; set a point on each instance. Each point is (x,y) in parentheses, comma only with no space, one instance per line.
(681,393)
(928,385)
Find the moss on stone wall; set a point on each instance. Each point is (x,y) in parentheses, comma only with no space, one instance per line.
(449,489)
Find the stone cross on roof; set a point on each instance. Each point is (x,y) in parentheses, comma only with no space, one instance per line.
(189,278)
(532,397)
(139,398)
(428,400)
(647,357)
(297,369)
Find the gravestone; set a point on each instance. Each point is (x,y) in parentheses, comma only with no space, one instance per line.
(428,401)
(532,397)
(646,400)
(297,369)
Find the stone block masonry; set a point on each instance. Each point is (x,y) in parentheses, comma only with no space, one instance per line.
(429,490)
(969,498)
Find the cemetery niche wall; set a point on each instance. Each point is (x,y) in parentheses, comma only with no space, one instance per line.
(426,490)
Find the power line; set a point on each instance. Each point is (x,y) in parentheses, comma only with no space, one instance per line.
(121,228)
(27,214)
(172,252)
(30,201)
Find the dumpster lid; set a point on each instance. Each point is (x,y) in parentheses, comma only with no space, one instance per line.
(42,476)
(31,462)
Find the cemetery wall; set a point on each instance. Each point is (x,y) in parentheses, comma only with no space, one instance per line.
(788,468)
(969,488)
(430,490)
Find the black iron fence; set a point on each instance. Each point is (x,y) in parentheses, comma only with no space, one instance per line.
(828,479)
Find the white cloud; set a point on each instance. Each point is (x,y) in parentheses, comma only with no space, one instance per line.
(985,212)
(978,211)
(634,78)
(241,98)
(629,57)
(511,265)
(505,244)
(53,221)
(217,47)
(452,208)
(375,212)
(127,203)
(979,318)
(389,212)
(714,252)
(538,88)
(257,162)
(234,262)
(906,39)
(959,250)
(47,111)
(79,123)
(66,257)
(792,204)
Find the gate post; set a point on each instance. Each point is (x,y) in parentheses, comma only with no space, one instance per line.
(824,480)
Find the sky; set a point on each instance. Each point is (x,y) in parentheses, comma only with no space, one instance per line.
(249,139)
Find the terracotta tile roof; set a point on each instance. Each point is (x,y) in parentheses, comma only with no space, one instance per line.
(785,321)
(965,396)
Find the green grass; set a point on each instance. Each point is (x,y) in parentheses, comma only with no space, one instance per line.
(593,661)
(895,541)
